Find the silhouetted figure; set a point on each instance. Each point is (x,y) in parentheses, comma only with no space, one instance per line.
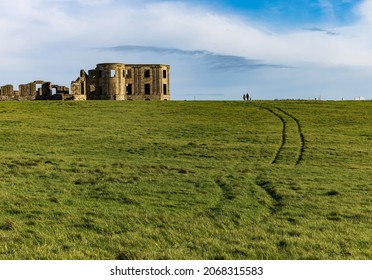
(247,97)
(244,97)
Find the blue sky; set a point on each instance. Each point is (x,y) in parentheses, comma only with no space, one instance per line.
(291,11)
(217,49)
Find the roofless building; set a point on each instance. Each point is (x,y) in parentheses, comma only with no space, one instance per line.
(108,81)
(118,81)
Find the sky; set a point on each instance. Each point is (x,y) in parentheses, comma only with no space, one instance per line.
(217,49)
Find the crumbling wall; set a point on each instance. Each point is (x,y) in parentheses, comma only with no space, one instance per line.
(110,81)
(117,81)
(38,90)
(46,89)
(61,89)
(147,82)
(75,88)
(7,90)
(28,90)
(80,88)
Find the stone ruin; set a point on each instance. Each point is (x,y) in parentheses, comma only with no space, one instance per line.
(37,90)
(108,81)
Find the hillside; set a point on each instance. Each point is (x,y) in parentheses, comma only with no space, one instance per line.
(186,180)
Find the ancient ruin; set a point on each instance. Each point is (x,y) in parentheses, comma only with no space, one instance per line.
(108,81)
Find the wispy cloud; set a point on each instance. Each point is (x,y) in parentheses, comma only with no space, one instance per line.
(328,8)
(317,29)
(213,60)
(154,49)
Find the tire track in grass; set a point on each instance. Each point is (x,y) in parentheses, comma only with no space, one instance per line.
(302,137)
(284,134)
(262,181)
(272,192)
(227,197)
(280,155)
(291,129)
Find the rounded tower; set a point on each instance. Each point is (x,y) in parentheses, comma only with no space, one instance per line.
(110,81)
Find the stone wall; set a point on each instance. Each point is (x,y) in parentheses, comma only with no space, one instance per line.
(30,91)
(147,82)
(7,90)
(118,81)
(110,81)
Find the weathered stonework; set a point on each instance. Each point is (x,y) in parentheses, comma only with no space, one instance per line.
(108,81)
(117,81)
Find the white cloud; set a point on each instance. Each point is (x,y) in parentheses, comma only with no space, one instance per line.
(63,36)
(364,10)
(105,23)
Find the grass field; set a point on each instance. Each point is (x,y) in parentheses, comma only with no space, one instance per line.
(186,180)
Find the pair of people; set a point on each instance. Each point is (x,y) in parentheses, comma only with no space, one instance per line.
(246,97)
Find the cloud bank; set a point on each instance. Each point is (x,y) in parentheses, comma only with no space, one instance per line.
(214,61)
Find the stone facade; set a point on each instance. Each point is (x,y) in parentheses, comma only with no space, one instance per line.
(108,81)
(37,90)
(117,81)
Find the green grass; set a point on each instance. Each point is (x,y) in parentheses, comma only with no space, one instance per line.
(186,180)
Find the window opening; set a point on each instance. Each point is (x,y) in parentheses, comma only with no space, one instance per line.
(38,89)
(112,73)
(165,89)
(164,74)
(147,88)
(147,73)
(129,89)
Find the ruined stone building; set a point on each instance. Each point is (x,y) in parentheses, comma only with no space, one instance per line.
(37,90)
(108,81)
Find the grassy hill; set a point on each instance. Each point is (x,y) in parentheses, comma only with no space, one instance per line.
(186,180)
